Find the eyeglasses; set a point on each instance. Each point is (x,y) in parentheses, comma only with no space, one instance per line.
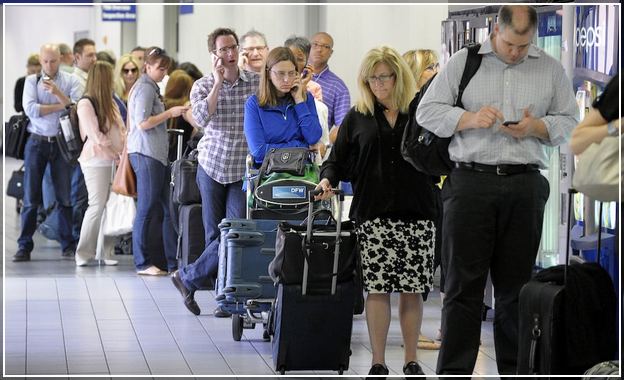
(224,50)
(251,49)
(281,75)
(382,79)
(157,51)
(433,67)
(323,46)
(128,71)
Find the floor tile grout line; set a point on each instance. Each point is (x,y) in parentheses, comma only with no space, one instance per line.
(58,303)
(25,331)
(97,324)
(167,324)
(133,329)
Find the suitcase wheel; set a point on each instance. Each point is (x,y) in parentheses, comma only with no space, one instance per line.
(265,334)
(282,370)
(341,370)
(237,327)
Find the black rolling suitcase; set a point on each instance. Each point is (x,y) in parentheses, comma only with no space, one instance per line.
(312,320)
(567,317)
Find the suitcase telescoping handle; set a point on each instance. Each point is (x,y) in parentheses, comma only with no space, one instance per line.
(180,134)
(308,238)
(571,193)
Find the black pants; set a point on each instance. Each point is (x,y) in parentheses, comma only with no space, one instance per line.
(491,223)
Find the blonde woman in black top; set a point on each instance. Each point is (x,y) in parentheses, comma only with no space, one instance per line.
(393,203)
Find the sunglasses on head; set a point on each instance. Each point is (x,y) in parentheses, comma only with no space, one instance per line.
(157,51)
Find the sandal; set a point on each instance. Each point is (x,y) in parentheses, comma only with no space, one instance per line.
(425,343)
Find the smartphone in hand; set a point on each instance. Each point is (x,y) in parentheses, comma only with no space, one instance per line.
(510,122)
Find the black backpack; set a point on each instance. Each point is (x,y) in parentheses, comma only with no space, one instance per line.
(420,147)
(68,136)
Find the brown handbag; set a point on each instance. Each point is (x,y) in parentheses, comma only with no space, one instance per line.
(125,182)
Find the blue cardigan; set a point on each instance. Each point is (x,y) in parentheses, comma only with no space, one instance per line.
(285,125)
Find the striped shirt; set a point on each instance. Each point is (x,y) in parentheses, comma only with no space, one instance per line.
(223,148)
(335,96)
(537,83)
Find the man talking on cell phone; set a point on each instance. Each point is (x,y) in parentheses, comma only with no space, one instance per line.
(495,196)
(218,106)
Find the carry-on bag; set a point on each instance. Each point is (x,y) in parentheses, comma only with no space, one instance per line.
(567,317)
(312,323)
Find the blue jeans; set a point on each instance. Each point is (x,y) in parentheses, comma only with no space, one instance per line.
(37,156)
(218,201)
(152,192)
(79,200)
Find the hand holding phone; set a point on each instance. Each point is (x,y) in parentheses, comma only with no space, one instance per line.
(296,90)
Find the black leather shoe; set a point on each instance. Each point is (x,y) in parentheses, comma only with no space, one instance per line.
(69,253)
(412,368)
(21,255)
(220,313)
(188,295)
(378,369)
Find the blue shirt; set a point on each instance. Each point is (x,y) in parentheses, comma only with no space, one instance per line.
(144,101)
(284,125)
(537,83)
(35,96)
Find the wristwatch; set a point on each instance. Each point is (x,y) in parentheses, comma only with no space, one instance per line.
(612,129)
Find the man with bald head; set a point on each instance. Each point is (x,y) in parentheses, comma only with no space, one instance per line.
(519,103)
(45,97)
(335,92)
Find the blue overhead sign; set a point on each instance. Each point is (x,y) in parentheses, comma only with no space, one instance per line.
(119,12)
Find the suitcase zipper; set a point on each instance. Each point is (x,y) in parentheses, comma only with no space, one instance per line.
(535,335)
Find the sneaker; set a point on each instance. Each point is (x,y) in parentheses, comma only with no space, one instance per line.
(378,369)
(152,271)
(412,368)
(110,262)
(69,253)
(21,255)
(220,313)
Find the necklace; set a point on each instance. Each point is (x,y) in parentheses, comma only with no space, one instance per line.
(391,116)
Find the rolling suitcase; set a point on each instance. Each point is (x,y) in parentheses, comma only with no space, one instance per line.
(191,239)
(551,326)
(312,322)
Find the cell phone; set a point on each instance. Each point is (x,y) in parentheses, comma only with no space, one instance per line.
(510,122)
(304,73)
(46,77)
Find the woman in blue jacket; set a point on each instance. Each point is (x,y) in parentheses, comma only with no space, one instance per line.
(282,113)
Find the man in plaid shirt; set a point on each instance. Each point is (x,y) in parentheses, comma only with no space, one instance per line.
(218,103)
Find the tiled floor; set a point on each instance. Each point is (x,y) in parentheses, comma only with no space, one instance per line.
(98,320)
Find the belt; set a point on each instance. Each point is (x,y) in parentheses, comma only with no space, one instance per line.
(49,139)
(504,169)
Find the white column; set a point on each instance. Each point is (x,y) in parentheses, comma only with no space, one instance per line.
(150,25)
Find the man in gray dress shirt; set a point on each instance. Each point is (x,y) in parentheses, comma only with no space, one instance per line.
(518,103)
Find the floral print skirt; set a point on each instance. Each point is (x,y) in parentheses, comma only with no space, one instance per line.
(397,255)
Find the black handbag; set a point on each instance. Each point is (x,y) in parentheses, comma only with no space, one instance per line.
(286,160)
(292,250)
(15,188)
(183,181)
(16,135)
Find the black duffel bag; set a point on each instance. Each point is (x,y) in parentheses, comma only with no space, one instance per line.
(291,250)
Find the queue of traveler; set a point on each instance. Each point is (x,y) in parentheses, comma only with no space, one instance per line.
(257,98)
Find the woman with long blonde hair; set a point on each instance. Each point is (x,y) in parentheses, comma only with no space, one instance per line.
(393,204)
(424,65)
(127,73)
(104,130)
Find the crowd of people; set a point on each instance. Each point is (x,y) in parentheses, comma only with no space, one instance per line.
(257,98)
